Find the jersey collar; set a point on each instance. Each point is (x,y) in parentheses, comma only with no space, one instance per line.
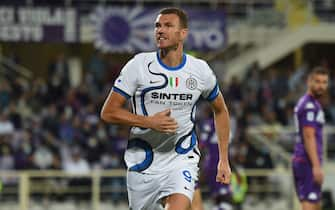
(169,68)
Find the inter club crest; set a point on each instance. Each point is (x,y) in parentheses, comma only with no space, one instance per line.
(191,83)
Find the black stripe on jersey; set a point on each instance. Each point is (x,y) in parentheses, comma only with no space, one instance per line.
(134,105)
(146,90)
(196,152)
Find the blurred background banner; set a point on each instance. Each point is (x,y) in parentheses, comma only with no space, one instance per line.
(113,29)
(38,24)
(130,29)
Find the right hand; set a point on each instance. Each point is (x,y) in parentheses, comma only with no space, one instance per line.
(223,175)
(318,175)
(162,122)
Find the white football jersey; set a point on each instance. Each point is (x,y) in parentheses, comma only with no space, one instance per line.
(154,87)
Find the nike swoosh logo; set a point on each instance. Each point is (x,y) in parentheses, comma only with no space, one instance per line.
(153,82)
(187,189)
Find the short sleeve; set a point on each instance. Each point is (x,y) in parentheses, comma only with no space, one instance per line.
(308,117)
(126,83)
(211,89)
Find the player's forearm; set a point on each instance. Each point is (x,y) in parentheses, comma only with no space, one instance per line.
(311,149)
(124,117)
(222,127)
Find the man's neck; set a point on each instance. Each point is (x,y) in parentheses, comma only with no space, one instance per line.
(171,57)
(312,95)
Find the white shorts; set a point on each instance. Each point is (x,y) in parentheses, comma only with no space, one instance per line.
(145,191)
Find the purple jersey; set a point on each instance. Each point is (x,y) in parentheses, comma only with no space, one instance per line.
(209,142)
(308,112)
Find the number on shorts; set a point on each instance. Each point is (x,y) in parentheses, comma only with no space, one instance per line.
(187,175)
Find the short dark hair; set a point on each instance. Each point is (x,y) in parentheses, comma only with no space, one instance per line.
(179,12)
(319,70)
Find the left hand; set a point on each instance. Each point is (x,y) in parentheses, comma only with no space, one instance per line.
(224,172)
(318,175)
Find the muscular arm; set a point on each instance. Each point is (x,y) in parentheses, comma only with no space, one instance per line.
(222,127)
(114,112)
(310,145)
(311,149)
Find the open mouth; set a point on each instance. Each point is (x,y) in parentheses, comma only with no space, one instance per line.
(161,38)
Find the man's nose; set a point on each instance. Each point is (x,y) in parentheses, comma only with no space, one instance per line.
(160,30)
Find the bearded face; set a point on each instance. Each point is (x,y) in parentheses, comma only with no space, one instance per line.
(318,84)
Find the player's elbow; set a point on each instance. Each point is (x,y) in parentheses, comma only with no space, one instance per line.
(103,115)
(107,116)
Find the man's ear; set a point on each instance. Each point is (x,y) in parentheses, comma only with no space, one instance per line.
(309,79)
(184,33)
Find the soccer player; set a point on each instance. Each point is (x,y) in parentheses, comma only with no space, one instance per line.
(307,158)
(162,153)
(220,193)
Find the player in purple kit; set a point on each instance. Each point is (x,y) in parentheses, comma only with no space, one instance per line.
(221,193)
(307,158)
